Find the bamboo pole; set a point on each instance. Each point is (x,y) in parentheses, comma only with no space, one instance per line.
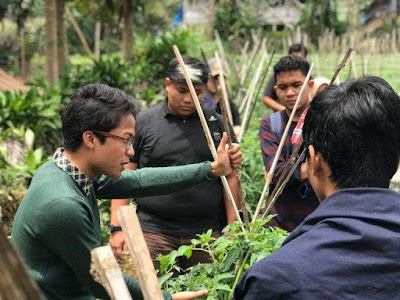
(218,92)
(207,132)
(224,98)
(250,97)
(79,32)
(271,171)
(221,48)
(280,189)
(258,93)
(106,271)
(140,253)
(341,65)
(226,128)
(253,57)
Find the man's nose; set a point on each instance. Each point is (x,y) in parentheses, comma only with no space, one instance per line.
(188,98)
(130,151)
(290,91)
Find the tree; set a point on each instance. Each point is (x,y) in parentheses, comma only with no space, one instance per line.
(61,36)
(127,37)
(51,43)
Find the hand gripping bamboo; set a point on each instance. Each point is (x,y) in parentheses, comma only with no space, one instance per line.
(207,132)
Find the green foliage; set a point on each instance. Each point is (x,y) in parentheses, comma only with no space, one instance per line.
(8,52)
(37,109)
(230,19)
(113,71)
(231,255)
(252,170)
(142,76)
(318,16)
(152,55)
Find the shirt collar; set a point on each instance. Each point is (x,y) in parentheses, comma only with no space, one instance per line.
(79,177)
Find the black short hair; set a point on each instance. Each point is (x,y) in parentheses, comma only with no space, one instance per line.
(94,107)
(291,63)
(356,128)
(176,75)
(298,48)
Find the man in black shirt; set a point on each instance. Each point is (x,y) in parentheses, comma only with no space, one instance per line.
(170,134)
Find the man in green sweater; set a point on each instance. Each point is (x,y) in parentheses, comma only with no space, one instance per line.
(58,221)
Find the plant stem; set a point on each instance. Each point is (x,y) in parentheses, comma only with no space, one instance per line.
(209,251)
(239,273)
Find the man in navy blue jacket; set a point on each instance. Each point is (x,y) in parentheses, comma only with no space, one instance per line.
(349,247)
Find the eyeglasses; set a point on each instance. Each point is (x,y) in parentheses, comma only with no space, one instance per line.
(128,141)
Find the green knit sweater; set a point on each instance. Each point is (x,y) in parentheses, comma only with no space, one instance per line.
(56,225)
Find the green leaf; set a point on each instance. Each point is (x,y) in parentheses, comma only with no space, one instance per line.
(185,250)
(231,259)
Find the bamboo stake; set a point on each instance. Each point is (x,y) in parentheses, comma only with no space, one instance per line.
(290,162)
(280,190)
(258,92)
(270,174)
(207,133)
(245,98)
(140,253)
(250,97)
(218,92)
(221,48)
(341,65)
(243,56)
(224,99)
(226,128)
(79,32)
(253,57)
(105,270)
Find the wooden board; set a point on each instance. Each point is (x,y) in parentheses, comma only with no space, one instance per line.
(106,271)
(140,253)
(15,282)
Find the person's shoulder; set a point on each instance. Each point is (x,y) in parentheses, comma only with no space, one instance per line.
(50,182)
(267,279)
(152,111)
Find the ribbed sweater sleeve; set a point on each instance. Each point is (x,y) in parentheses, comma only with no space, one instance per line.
(152,181)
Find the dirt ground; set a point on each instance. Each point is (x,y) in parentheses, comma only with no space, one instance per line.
(8,82)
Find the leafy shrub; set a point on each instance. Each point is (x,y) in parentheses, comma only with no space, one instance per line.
(113,71)
(231,255)
(37,109)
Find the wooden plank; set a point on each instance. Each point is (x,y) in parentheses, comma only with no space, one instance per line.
(15,282)
(140,253)
(106,271)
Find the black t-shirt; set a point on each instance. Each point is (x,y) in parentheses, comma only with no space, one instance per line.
(164,139)
(269,88)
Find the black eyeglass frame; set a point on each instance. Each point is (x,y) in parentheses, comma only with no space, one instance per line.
(128,141)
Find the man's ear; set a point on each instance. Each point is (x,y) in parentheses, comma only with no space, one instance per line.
(315,161)
(167,82)
(311,83)
(88,139)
